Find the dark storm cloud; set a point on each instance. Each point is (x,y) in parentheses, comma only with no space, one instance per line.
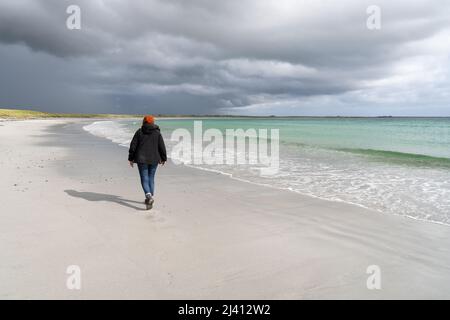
(205,56)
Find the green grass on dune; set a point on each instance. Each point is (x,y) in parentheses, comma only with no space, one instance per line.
(30,114)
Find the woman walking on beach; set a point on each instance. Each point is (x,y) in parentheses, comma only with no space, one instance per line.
(147,149)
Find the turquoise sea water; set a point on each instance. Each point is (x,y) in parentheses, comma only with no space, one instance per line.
(393,165)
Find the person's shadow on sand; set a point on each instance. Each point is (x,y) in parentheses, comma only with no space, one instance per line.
(93,196)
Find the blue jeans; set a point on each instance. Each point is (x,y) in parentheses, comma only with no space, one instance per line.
(147,173)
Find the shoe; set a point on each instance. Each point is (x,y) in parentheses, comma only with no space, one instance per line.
(149,201)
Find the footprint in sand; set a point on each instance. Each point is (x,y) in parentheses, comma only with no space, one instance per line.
(154,217)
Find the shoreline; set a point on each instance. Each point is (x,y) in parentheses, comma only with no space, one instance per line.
(230,176)
(207,237)
(374,211)
(290,189)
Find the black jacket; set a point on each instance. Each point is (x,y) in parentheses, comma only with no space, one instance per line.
(147,146)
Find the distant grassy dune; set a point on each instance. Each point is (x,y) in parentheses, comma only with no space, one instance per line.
(16,114)
(30,114)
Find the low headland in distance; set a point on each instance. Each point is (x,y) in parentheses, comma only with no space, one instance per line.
(24,114)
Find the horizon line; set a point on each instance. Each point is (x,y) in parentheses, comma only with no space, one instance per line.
(162,115)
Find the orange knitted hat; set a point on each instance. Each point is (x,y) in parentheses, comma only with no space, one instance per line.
(149,119)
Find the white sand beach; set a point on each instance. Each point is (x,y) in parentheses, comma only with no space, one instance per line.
(70,198)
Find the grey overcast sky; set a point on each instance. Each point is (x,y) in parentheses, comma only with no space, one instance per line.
(252,57)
